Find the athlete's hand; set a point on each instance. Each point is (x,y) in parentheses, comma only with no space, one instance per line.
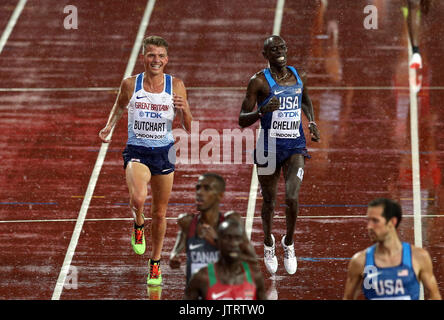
(208,233)
(271,106)
(314,132)
(103,134)
(180,103)
(174,261)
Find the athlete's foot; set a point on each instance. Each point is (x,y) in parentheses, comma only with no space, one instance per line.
(290,261)
(138,239)
(270,259)
(154,274)
(416,61)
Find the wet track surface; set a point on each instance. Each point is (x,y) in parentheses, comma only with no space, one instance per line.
(359,83)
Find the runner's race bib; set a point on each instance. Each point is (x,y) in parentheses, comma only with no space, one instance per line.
(151,120)
(286,120)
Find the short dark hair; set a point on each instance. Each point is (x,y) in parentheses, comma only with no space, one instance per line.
(219,180)
(390,209)
(156,41)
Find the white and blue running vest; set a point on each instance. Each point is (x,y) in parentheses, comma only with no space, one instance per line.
(392,283)
(284,124)
(151,115)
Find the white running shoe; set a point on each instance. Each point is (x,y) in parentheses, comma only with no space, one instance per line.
(290,262)
(270,259)
(416,61)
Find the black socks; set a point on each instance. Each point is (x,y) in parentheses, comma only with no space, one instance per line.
(137,226)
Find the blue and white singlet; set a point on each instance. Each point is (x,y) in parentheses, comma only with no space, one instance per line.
(391,283)
(284,124)
(151,115)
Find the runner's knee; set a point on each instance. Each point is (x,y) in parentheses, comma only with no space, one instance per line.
(268,200)
(158,213)
(292,201)
(138,200)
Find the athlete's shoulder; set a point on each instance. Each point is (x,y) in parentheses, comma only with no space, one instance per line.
(420,255)
(179,87)
(257,81)
(302,74)
(258,76)
(357,261)
(128,83)
(177,82)
(184,220)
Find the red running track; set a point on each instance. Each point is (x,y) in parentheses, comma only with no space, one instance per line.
(49,138)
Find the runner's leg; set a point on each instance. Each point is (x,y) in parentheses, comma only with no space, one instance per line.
(268,185)
(161,186)
(137,178)
(293,174)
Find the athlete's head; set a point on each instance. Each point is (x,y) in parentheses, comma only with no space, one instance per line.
(275,51)
(154,54)
(210,188)
(155,41)
(384,216)
(229,238)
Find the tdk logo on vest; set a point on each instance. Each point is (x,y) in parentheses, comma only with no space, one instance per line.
(289,114)
(288,103)
(151,115)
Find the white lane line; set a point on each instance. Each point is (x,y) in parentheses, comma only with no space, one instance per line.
(254,178)
(98,165)
(278,17)
(416,181)
(175,218)
(11,23)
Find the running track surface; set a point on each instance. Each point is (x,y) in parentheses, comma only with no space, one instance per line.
(49,141)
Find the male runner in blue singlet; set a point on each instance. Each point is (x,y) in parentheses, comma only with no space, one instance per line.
(390,269)
(153,99)
(281,97)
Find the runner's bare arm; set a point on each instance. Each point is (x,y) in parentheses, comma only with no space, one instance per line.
(307,108)
(183,221)
(426,275)
(122,100)
(181,104)
(354,276)
(247,116)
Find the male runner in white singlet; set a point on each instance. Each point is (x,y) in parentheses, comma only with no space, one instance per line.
(153,98)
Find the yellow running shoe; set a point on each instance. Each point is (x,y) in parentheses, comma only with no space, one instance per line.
(154,275)
(138,240)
